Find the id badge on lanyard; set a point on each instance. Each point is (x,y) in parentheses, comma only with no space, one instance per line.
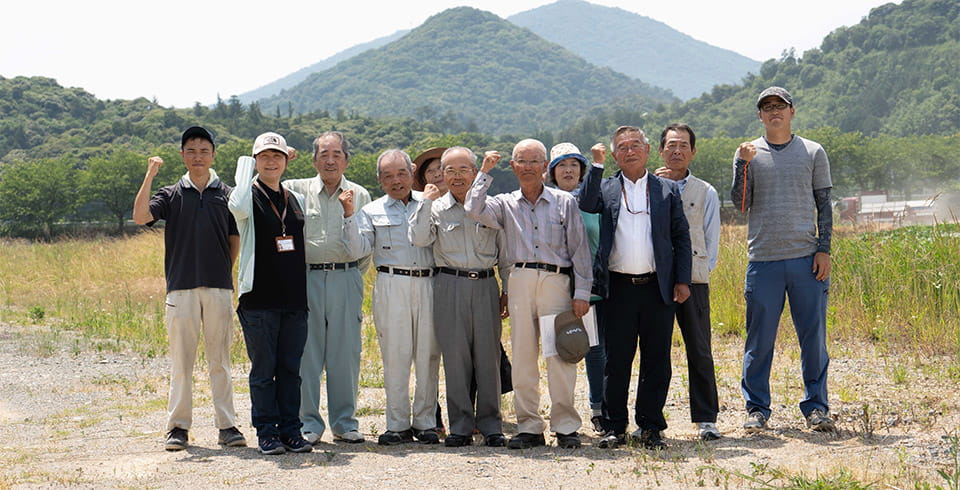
(284,242)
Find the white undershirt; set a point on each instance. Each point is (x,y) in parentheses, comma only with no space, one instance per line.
(632,251)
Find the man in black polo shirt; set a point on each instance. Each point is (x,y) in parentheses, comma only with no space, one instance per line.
(201,242)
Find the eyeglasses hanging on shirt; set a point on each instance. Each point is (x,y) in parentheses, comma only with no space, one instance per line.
(623,190)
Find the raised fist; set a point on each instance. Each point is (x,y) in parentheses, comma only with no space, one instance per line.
(431,192)
(490,160)
(599,153)
(346,200)
(746,151)
(153,166)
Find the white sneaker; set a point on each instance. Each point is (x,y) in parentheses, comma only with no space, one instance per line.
(311,437)
(708,431)
(352,436)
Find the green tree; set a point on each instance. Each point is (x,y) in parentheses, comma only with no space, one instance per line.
(110,183)
(37,194)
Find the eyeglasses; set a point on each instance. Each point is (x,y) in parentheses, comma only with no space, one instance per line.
(628,146)
(774,107)
(452,172)
(528,163)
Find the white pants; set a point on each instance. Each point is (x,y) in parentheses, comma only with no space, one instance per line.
(535,293)
(403,315)
(189,310)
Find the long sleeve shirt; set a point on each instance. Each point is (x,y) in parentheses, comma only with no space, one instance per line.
(549,230)
(380,229)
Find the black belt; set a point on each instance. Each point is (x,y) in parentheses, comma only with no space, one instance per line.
(468,274)
(635,279)
(330,266)
(405,272)
(544,267)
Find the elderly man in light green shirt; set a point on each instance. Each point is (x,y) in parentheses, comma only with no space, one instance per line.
(334,295)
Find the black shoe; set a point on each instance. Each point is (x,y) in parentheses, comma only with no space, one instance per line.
(495,440)
(456,440)
(650,439)
(391,438)
(611,440)
(568,441)
(526,440)
(270,445)
(296,444)
(597,421)
(176,439)
(426,436)
(231,437)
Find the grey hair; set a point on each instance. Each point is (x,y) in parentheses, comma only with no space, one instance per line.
(537,143)
(628,129)
(394,153)
(344,145)
(443,157)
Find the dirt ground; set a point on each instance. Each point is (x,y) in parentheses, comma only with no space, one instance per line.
(75,415)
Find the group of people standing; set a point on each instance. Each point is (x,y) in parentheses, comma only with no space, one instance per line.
(635,249)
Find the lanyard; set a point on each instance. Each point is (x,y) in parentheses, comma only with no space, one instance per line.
(282,217)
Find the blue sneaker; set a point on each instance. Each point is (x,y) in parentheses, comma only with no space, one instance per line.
(271,445)
(296,444)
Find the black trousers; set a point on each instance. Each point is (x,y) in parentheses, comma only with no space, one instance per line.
(693,317)
(636,316)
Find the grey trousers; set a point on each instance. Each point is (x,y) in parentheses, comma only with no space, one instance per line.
(467,324)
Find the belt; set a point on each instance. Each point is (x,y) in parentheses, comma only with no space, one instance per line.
(330,266)
(635,279)
(544,267)
(405,272)
(468,274)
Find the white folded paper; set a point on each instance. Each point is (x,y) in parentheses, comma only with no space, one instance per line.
(548,334)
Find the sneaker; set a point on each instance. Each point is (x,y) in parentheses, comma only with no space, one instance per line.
(393,438)
(495,440)
(708,431)
(270,445)
(611,440)
(176,439)
(568,441)
(312,437)
(296,444)
(820,422)
(231,437)
(755,422)
(457,440)
(427,436)
(648,438)
(597,421)
(351,436)
(526,440)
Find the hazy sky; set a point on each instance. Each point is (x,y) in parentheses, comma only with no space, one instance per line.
(183,51)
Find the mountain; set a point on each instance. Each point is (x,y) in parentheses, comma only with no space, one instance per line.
(486,72)
(300,75)
(637,46)
(893,73)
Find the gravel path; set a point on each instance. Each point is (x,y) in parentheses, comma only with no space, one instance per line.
(86,418)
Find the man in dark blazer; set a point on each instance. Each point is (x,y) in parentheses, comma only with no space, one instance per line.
(642,269)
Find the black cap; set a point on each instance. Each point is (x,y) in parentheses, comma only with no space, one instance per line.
(775,92)
(196,132)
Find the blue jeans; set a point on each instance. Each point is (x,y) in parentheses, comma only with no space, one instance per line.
(274,341)
(766,285)
(595,362)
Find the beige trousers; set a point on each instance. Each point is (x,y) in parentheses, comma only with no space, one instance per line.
(535,293)
(403,315)
(189,311)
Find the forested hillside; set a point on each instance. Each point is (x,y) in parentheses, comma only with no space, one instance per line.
(480,70)
(897,72)
(637,46)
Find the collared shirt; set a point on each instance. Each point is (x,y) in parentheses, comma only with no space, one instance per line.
(711,220)
(324,219)
(549,230)
(632,251)
(381,228)
(458,240)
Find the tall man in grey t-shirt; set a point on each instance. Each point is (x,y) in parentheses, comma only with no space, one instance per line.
(783,181)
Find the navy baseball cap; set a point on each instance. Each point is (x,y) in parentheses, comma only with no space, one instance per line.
(196,132)
(775,92)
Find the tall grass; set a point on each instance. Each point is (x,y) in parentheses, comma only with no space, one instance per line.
(897,288)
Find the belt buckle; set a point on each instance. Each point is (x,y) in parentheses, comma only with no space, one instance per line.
(473,275)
